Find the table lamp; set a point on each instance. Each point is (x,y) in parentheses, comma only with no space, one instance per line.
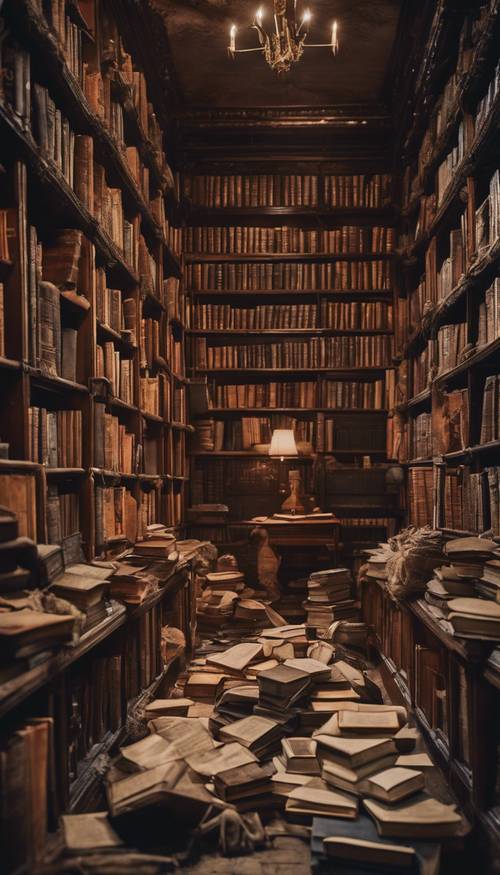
(283,446)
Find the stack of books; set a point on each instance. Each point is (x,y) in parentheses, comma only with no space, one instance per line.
(86,587)
(281,688)
(259,734)
(329,598)
(247,787)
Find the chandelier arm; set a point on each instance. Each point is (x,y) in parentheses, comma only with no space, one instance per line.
(242,51)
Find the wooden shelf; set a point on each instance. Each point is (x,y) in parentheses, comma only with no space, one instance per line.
(422,398)
(266,371)
(18,689)
(306,332)
(64,472)
(304,411)
(483,356)
(64,200)
(309,258)
(52,383)
(352,294)
(483,143)
(479,274)
(105,333)
(200,215)
(248,454)
(467,90)
(32,26)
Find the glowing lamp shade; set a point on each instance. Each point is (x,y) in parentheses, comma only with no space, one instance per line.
(283,443)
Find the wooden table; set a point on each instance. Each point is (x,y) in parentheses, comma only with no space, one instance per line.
(308,532)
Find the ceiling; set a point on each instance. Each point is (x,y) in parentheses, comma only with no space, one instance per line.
(198,34)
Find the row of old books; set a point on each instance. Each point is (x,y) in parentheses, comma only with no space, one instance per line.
(489,315)
(336,315)
(98,90)
(260,241)
(452,422)
(367,274)
(320,434)
(420,369)
(421,496)
(54,271)
(213,480)
(471,500)
(451,340)
(154,393)
(114,445)
(117,370)
(151,342)
(447,169)
(362,394)
(437,283)
(488,217)
(288,190)
(55,437)
(485,104)
(114,309)
(63,514)
(317,352)
(490,415)
(116,515)
(421,437)
(452,268)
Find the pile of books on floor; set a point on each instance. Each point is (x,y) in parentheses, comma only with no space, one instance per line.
(360,770)
(464,595)
(227,606)
(329,598)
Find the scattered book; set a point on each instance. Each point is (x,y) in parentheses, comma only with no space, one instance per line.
(256,733)
(359,722)
(237,658)
(304,803)
(168,708)
(414,761)
(300,755)
(394,784)
(84,833)
(423,817)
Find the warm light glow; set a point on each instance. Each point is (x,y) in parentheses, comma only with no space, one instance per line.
(285,40)
(283,443)
(232,33)
(335,41)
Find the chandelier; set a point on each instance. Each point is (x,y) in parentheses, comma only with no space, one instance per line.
(285,44)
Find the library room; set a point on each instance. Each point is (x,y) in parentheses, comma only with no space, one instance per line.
(249,437)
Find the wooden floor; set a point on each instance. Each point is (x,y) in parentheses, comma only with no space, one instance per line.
(286,856)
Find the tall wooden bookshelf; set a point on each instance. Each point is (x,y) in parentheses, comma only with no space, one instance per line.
(290,279)
(88,200)
(448,337)
(93,402)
